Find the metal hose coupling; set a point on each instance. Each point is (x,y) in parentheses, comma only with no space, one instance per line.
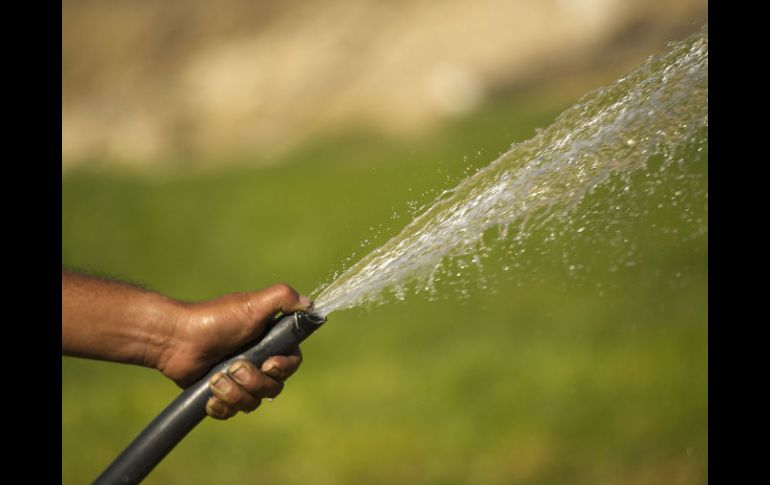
(307,323)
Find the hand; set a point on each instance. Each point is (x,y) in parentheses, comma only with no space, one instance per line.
(206,332)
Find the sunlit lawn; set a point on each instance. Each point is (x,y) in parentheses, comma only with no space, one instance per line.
(545,377)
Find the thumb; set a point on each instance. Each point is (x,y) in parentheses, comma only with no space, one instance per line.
(265,303)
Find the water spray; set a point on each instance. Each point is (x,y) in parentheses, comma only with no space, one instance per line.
(658,109)
(189,408)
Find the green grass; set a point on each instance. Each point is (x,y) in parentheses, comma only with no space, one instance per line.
(599,377)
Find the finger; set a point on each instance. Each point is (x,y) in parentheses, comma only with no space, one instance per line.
(261,306)
(279,298)
(231,394)
(254,382)
(281,367)
(218,410)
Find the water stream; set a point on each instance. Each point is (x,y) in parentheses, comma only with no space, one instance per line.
(611,133)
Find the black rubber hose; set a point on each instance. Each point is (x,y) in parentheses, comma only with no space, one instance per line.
(189,409)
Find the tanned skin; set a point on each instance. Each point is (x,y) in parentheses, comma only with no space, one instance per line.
(110,320)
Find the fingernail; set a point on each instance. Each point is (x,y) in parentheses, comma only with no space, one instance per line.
(240,374)
(215,406)
(306,302)
(274,372)
(220,383)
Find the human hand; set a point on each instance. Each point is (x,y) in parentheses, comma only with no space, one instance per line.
(206,332)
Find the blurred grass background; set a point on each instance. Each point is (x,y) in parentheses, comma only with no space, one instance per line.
(549,376)
(549,379)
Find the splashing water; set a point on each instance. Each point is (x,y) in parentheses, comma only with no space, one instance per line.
(614,131)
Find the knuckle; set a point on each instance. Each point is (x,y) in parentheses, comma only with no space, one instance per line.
(244,404)
(253,405)
(265,382)
(274,389)
(286,371)
(284,291)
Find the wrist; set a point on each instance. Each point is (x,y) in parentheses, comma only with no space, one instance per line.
(165,317)
(176,353)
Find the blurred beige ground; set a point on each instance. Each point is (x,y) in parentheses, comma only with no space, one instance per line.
(143,80)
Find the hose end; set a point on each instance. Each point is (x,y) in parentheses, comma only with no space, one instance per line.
(307,323)
(314,318)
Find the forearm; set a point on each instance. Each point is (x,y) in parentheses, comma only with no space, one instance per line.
(110,320)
